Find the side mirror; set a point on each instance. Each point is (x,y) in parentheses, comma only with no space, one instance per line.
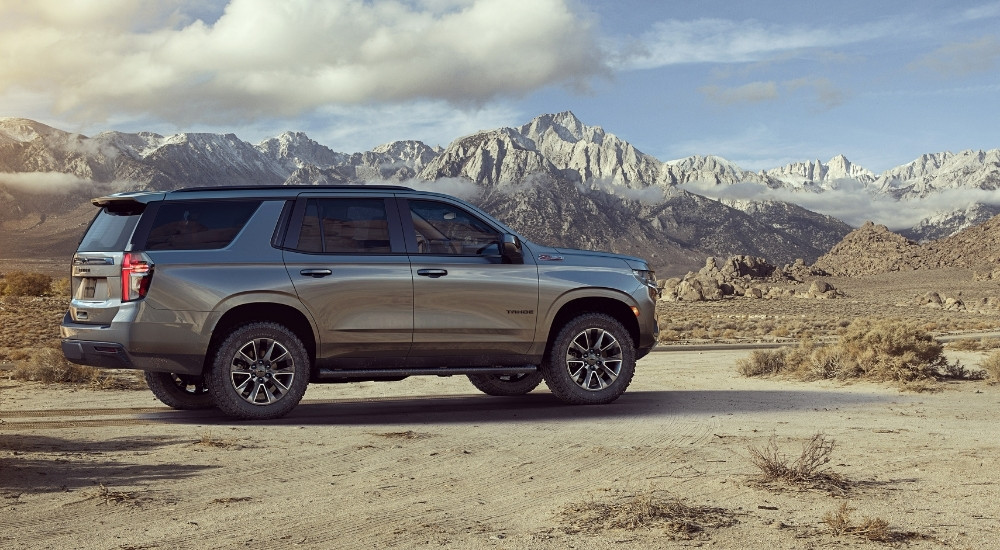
(510,249)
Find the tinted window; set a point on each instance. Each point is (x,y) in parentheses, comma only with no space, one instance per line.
(351,226)
(198,225)
(109,232)
(443,229)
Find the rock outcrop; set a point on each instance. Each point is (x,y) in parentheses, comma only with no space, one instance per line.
(740,276)
(868,250)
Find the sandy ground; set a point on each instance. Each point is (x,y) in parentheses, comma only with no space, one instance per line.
(429,462)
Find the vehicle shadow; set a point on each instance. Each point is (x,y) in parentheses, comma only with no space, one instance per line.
(539,406)
(44,464)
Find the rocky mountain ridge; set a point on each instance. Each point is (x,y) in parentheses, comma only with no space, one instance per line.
(557,179)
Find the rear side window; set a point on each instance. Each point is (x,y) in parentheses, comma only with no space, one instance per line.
(109,232)
(347,226)
(198,225)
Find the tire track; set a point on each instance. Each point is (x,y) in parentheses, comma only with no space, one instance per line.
(80,412)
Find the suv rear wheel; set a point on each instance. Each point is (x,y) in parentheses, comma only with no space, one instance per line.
(260,372)
(506,385)
(181,391)
(591,361)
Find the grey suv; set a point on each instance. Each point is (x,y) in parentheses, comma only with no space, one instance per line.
(237,298)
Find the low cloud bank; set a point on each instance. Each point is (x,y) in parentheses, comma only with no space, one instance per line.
(45,182)
(853,204)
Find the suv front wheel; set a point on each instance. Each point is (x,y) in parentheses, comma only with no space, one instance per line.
(591,361)
(260,372)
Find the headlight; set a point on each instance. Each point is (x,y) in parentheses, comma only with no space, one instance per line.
(646,277)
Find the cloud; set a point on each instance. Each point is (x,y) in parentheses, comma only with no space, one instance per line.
(45,182)
(754,92)
(186,63)
(828,95)
(457,187)
(651,195)
(360,128)
(851,203)
(962,59)
(674,42)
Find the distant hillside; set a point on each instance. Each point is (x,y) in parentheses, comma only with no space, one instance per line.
(873,249)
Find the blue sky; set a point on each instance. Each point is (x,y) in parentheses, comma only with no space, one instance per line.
(759,83)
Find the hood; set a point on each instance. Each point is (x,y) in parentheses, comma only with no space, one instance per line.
(569,254)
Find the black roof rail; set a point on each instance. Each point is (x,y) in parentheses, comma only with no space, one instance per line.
(294,187)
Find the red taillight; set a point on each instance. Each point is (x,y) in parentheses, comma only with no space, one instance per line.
(137,272)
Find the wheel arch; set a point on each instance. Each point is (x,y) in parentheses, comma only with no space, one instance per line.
(608,304)
(253,312)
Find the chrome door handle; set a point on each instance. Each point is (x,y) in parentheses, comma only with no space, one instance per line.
(432,273)
(316,273)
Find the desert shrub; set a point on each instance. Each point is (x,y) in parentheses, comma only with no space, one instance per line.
(989,342)
(669,335)
(20,283)
(645,510)
(873,349)
(966,344)
(890,350)
(49,366)
(809,468)
(873,529)
(807,361)
(975,344)
(762,363)
(991,365)
(62,287)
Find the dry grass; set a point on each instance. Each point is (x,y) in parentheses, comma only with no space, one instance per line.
(48,366)
(840,522)
(649,509)
(991,366)
(21,283)
(29,338)
(207,439)
(808,469)
(871,349)
(103,495)
(30,322)
(408,434)
(975,344)
(890,295)
(230,500)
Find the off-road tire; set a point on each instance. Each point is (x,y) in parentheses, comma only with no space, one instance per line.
(506,385)
(183,392)
(259,372)
(591,360)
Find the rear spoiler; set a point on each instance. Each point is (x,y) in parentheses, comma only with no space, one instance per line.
(126,203)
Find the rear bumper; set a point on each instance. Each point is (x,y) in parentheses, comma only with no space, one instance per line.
(111,347)
(107,355)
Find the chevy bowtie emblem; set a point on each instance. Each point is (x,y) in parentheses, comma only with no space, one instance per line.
(549,258)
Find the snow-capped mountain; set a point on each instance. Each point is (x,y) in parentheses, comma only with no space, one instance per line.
(557,179)
(819,176)
(932,174)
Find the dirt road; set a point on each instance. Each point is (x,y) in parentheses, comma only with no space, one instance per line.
(429,462)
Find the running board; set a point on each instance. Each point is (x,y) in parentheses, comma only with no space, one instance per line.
(329,374)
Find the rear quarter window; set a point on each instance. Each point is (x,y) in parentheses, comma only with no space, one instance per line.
(198,225)
(108,232)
